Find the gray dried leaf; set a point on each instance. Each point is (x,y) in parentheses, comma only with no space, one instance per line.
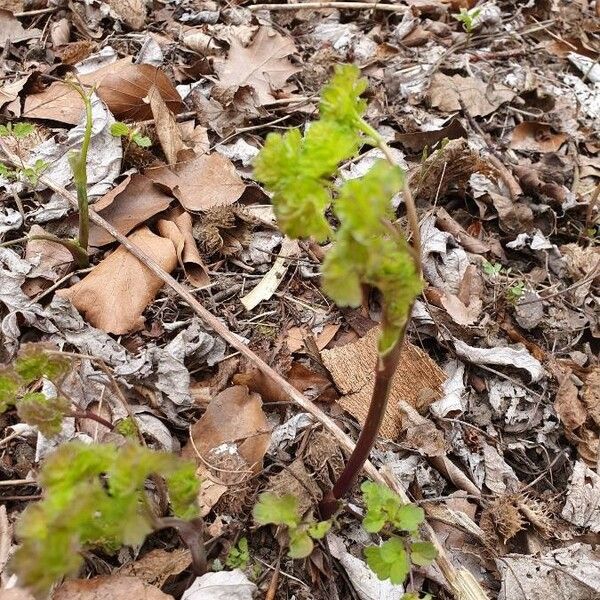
(223,585)
(10,219)
(529,311)
(571,573)
(582,506)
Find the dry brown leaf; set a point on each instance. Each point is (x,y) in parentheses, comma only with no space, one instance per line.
(591,395)
(536,137)
(313,384)
(52,261)
(166,125)
(417,381)
(121,85)
(263,64)
(200,182)
(131,12)
(116,292)
(157,566)
(480,99)
(126,206)
(417,141)
(60,32)
(16,594)
(178,228)
(12,31)
(420,434)
(229,443)
(10,91)
(108,587)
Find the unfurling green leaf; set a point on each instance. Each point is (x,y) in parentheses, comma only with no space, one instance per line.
(422,553)
(319,530)
(300,543)
(34,362)
(385,506)
(389,561)
(94,497)
(9,389)
(340,98)
(45,413)
(119,129)
(238,555)
(369,250)
(143,141)
(276,510)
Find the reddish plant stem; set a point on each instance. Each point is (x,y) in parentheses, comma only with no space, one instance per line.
(84,414)
(384,373)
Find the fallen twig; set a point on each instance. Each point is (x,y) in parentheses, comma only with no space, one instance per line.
(397,8)
(461,582)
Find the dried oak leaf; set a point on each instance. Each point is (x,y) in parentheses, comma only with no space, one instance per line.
(116,292)
(449,94)
(224,229)
(12,31)
(417,141)
(108,587)
(536,137)
(126,206)
(157,566)
(200,182)
(262,65)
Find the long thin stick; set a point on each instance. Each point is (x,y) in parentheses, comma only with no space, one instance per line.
(396,8)
(461,581)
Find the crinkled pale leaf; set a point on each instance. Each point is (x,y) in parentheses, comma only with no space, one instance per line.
(278,510)
(340,98)
(45,413)
(389,561)
(319,530)
(422,553)
(34,362)
(300,544)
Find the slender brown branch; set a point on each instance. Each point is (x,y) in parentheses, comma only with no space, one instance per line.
(86,414)
(397,8)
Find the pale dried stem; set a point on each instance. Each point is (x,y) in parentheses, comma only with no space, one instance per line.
(460,581)
(396,8)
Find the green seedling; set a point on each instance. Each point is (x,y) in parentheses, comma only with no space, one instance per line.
(300,169)
(29,173)
(78,247)
(515,291)
(238,555)
(468,18)
(283,511)
(94,494)
(491,269)
(393,558)
(119,129)
(95,498)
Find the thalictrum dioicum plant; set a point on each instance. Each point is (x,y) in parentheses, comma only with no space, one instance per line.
(78,247)
(284,511)
(369,250)
(94,494)
(386,512)
(122,130)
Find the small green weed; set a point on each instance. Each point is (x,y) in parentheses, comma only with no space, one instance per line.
(468,18)
(119,129)
(238,555)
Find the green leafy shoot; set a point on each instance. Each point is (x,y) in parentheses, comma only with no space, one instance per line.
(17,130)
(272,509)
(515,291)
(385,506)
(34,363)
(491,269)
(119,129)
(392,559)
(94,497)
(238,555)
(300,169)
(468,18)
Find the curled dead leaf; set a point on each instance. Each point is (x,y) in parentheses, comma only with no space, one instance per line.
(536,137)
(108,587)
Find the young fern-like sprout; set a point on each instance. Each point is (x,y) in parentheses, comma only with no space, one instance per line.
(368,249)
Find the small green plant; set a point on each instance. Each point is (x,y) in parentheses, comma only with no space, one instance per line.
(491,269)
(238,555)
(78,247)
(393,558)
(515,291)
(30,173)
(94,498)
(468,18)
(369,250)
(283,510)
(132,134)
